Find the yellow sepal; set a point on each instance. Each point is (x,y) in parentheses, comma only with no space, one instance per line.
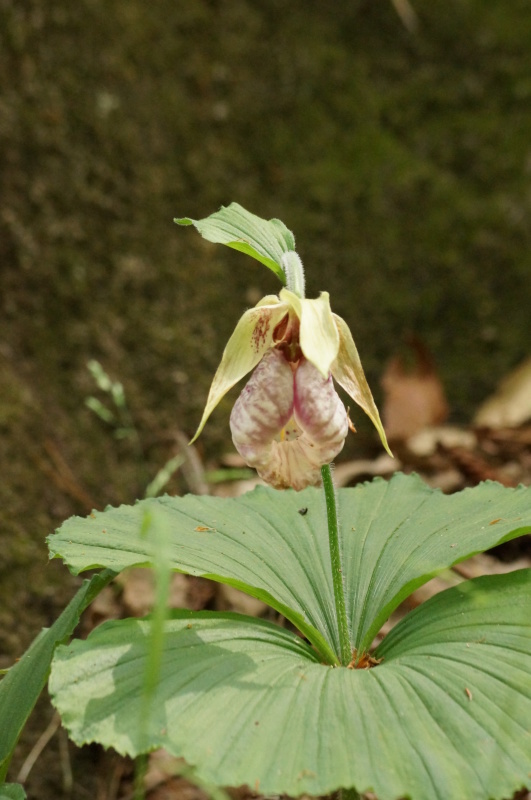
(252,337)
(348,372)
(319,339)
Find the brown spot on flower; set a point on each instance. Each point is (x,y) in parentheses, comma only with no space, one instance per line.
(258,339)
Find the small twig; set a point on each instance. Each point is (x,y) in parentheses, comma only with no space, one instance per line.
(115,780)
(407,14)
(192,468)
(61,474)
(38,747)
(473,466)
(66,766)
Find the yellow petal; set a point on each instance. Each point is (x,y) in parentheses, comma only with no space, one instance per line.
(252,337)
(268,300)
(348,372)
(319,338)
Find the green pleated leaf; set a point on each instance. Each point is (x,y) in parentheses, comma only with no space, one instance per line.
(265,240)
(258,543)
(446,714)
(21,687)
(394,536)
(12,791)
(398,534)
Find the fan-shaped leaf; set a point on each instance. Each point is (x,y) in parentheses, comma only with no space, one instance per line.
(394,537)
(446,714)
(12,791)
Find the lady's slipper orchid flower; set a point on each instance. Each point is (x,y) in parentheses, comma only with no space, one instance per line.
(289,420)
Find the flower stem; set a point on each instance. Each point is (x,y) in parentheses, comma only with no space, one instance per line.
(335,558)
(294,272)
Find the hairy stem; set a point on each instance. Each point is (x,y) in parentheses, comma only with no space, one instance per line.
(337,573)
(294,272)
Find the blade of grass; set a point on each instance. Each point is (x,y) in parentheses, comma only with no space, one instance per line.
(21,687)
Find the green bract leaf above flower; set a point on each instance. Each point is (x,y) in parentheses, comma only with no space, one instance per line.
(265,240)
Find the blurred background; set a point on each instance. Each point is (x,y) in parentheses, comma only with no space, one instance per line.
(394,140)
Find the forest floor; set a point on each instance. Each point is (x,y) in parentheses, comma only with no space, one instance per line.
(446,457)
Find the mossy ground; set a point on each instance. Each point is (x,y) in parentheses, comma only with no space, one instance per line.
(401,161)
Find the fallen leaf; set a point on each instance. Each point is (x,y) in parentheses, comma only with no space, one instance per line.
(414,395)
(230,599)
(511,403)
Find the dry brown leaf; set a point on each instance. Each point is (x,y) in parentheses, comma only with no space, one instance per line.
(230,599)
(105,606)
(414,396)
(511,404)
(384,466)
(161,766)
(485,564)
(426,442)
(139,591)
(236,488)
